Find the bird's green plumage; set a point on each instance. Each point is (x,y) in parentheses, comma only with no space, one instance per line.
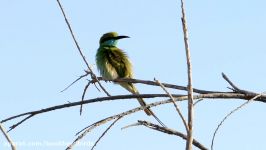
(113,63)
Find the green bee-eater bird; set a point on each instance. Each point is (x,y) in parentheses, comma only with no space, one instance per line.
(113,63)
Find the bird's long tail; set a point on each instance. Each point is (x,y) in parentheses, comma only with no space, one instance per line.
(131,88)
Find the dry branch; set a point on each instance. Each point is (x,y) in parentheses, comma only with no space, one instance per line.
(80,77)
(89,128)
(170,131)
(210,95)
(148,82)
(235,88)
(237,94)
(104,133)
(176,107)
(20,122)
(226,95)
(189,74)
(93,76)
(83,96)
(229,114)
(13,147)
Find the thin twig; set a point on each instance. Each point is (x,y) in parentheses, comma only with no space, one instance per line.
(131,125)
(13,147)
(83,135)
(79,49)
(168,131)
(176,107)
(104,133)
(189,73)
(83,96)
(198,101)
(73,36)
(235,88)
(20,122)
(233,111)
(82,76)
(91,127)
(96,87)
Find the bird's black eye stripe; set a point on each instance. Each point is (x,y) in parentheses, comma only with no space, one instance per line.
(106,39)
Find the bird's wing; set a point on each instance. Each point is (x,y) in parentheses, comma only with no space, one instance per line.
(119,60)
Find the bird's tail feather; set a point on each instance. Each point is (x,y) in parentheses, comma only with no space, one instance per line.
(142,103)
(148,111)
(131,88)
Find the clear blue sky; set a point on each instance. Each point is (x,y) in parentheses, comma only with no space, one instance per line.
(38,59)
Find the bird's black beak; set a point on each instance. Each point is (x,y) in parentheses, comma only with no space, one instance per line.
(121,37)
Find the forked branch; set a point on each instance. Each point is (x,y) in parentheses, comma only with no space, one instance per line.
(93,76)
(171,132)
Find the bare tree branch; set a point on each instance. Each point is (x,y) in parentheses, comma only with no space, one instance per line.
(73,36)
(89,128)
(263,98)
(233,111)
(20,122)
(210,95)
(166,130)
(79,49)
(176,107)
(80,77)
(13,147)
(236,94)
(84,134)
(225,95)
(93,100)
(83,96)
(148,82)
(189,73)
(198,101)
(131,125)
(235,88)
(104,133)
(103,121)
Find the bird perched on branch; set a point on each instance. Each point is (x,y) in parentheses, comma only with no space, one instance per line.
(113,63)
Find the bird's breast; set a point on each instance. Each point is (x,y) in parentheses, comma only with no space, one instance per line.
(109,72)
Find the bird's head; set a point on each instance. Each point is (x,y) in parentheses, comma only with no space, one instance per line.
(111,38)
